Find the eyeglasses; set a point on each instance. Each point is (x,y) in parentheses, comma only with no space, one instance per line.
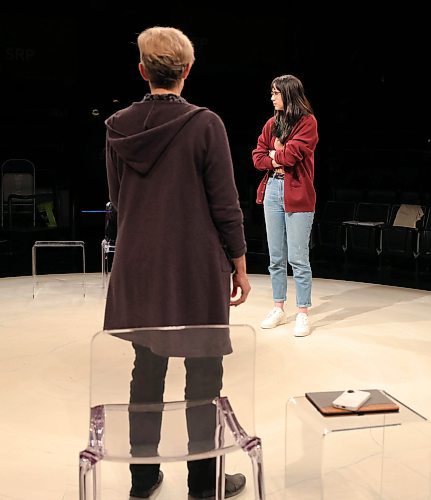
(275,93)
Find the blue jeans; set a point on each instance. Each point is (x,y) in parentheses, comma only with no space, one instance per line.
(288,235)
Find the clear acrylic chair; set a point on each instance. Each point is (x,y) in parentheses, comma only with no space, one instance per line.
(108,242)
(196,415)
(107,251)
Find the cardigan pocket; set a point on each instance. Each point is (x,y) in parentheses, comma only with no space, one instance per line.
(260,195)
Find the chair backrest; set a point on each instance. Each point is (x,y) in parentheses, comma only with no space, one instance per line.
(373,212)
(17,177)
(18,187)
(425,237)
(427,217)
(110,223)
(130,391)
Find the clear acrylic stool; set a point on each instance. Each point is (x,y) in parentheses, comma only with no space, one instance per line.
(368,456)
(107,250)
(56,244)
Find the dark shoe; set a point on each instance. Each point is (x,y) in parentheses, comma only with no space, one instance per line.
(137,494)
(233,486)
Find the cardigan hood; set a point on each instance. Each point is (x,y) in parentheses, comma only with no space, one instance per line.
(140,136)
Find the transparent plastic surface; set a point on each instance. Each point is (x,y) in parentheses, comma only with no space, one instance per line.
(150,407)
(38,278)
(368,456)
(107,251)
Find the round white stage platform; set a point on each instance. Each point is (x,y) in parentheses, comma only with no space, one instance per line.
(364,336)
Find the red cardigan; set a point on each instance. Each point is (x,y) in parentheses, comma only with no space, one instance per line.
(297,157)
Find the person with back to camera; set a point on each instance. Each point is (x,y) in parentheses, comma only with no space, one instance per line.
(285,151)
(171,179)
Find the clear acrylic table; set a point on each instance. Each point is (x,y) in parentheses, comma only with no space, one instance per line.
(80,245)
(369,456)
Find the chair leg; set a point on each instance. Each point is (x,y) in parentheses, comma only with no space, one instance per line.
(220,460)
(85,467)
(252,445)
(103,264)
(220,477)
(33,268)
(88,465)
(96,478)
(255,454)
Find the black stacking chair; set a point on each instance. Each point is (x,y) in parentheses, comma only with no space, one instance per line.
(425,240)
(363,234)
(401,241)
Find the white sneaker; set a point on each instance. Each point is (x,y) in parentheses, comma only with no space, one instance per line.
(275,317)
(302,326)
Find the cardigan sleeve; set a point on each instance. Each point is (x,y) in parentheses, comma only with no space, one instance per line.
(260,156)
(300,144)
(221,189)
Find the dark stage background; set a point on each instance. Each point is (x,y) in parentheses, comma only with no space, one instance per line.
(365,72)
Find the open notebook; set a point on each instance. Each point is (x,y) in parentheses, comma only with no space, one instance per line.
(378,402)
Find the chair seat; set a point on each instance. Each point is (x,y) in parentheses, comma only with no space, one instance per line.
(114,444)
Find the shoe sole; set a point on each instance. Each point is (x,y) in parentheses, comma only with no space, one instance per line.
(306,334)
(271,327)
(210,494)
(236,494)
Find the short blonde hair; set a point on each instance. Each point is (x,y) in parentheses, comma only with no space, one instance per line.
(164,53)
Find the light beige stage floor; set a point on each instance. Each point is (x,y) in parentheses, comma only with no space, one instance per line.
(364,336)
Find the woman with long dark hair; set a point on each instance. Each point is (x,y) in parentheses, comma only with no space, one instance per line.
(285,151)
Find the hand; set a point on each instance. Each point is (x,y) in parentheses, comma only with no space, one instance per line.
(240,284)
(272,156)
(277,144)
